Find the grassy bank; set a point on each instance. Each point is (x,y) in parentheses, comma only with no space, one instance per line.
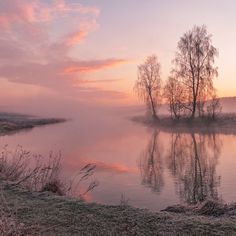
(35,213)
(10,123)
(225,124)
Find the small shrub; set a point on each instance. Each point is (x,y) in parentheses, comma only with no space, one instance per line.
(176,209)
(212,208)
(214,108)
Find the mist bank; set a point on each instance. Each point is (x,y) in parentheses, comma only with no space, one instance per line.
(223,124)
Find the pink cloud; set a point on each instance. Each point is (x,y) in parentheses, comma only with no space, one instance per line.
(49,74)
(20,12)
(76,37)
(62,6)
(33,20)
(84,81)
(27,37)
(32,11)
(92,66)
(34,51)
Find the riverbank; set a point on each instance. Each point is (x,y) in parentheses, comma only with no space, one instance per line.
(11,123)
(224,124)
(34,213)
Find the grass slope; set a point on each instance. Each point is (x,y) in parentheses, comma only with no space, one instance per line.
(47,214)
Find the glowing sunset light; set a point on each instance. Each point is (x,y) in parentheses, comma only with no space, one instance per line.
(60,44)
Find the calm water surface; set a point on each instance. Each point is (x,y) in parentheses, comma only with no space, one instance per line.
(151,168)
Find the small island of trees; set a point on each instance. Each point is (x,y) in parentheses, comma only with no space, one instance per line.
(189,91)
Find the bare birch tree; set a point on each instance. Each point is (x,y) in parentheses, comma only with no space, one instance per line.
(214,107)
(175,95)
(148,84)
(194,67)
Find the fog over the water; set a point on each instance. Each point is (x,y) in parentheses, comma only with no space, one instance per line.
(122,152)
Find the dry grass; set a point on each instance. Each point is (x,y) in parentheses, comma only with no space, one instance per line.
(31,171)
(9,224)
(48,214)
(209,207)
(37,173)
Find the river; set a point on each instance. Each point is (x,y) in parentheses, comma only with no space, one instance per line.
(143,166)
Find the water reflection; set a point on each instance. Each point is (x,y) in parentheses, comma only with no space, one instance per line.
(151,164)
(191,159)
(166,160)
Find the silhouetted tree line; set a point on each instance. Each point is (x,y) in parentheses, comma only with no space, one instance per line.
(189,90)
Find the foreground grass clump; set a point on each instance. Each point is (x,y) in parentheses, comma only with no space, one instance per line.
(33,174)
(207,208)
(40,174)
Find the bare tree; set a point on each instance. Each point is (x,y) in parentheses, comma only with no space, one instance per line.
(214,107)
(148,84)
(175,96)
(194,67)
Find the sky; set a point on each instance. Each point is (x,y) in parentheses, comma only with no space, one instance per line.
(58,54)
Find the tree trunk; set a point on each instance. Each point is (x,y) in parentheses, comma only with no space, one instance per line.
(194,108)
(154,114)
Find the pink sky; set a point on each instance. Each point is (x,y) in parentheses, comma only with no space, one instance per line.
(58,52)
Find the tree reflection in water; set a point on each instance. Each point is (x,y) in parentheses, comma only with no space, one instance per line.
(191,159)
(151,164)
